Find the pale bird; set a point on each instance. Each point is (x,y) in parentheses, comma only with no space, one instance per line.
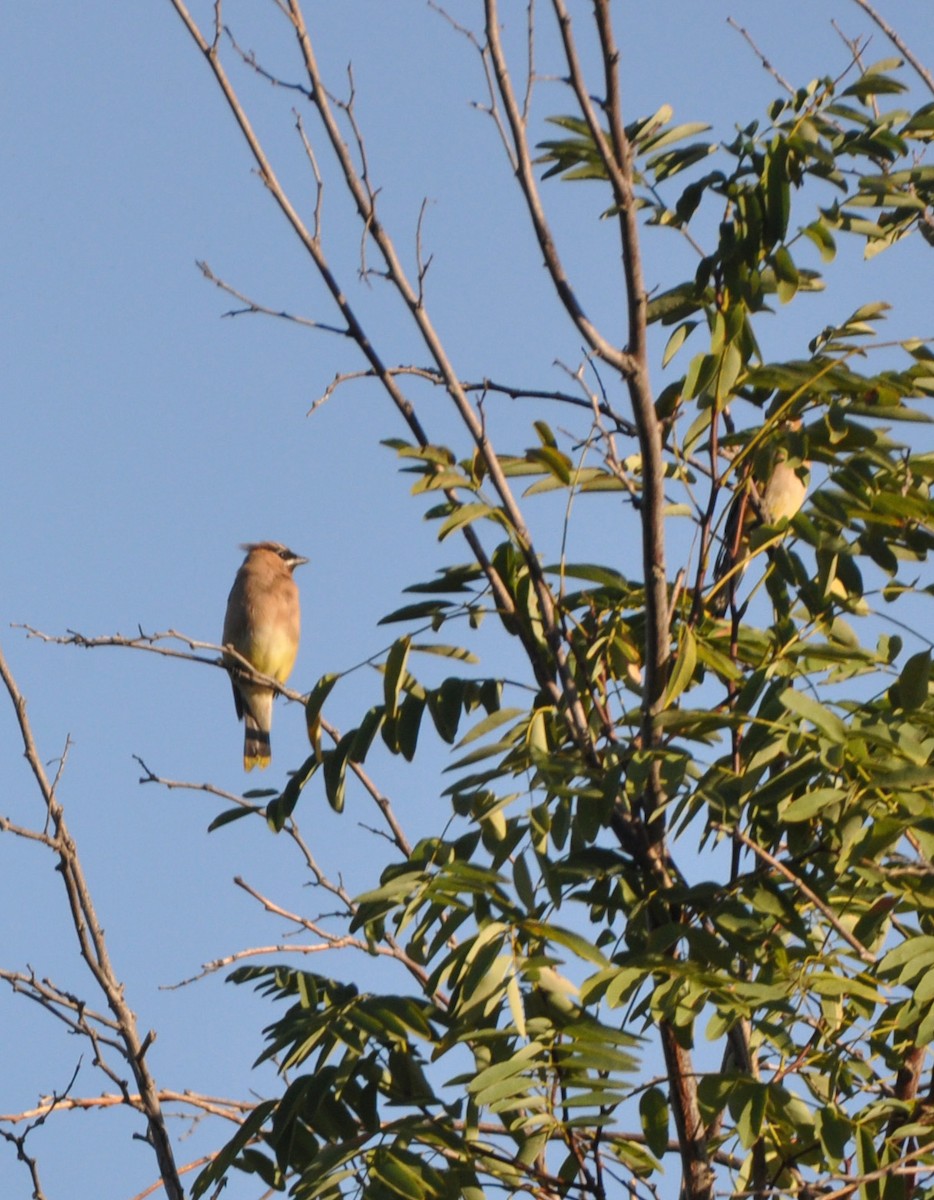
(263,625)
(770,500)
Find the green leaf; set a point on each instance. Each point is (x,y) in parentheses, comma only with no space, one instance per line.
(218,1168)
(677,340)
(834,1130)
(394,674)
(442,651)
(444,704)
(401,1178)
(493,721)
(871,84)
(334,767)
(653,1113)
(279,810)
(683,670)
(811,710)
(233,814)
(811,803)
(465,514)
(786,275)
(822,238)
(748,1104)
(315,702)
(522,879)
(557,463)
(408,724)
(417,612)
(915,951)
(777,193)
(913,681)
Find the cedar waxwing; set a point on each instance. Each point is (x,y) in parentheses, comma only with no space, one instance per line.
(262,624)
(775,498)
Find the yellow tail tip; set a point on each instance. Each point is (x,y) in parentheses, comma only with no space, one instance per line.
(256,760)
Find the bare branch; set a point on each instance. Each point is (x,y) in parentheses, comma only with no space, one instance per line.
(391,949)
(93,946)
(898,42)
(485,386)
(253,306)
(776,75)
(622,360)
(151,644)
(215,1106)
(36,1119)
(364,199)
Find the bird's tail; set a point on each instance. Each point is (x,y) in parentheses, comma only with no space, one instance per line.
(256,748)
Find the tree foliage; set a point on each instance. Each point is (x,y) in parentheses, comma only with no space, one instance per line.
(706,833)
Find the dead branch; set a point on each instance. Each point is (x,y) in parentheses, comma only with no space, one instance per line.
(93,946)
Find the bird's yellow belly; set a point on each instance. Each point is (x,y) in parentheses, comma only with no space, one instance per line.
(272,653)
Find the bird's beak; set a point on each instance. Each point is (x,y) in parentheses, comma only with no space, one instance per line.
(298,561)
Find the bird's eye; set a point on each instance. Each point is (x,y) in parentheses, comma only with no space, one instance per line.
(286,554)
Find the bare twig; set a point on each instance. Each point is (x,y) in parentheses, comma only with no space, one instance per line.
(776,74)
(215,1106)
(253,306)
(483,386)
(36,1119)
(391,949)
(93,946)
(898,42)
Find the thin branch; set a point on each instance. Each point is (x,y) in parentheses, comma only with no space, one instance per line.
(484,386)
(37,1119)
(219,964)
(776,864)
(8,826)
(93,946)
(616,155)
(253,306)
(776,74)
(391,950)
(898,42)
(183,1170)
(215,1106)
(622,360)
(150,642)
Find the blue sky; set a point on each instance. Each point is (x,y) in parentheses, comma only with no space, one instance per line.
(145,437)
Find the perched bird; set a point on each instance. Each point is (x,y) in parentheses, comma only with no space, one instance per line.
(767,498)
(262,624)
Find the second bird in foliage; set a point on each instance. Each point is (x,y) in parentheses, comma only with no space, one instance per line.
(769,496)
